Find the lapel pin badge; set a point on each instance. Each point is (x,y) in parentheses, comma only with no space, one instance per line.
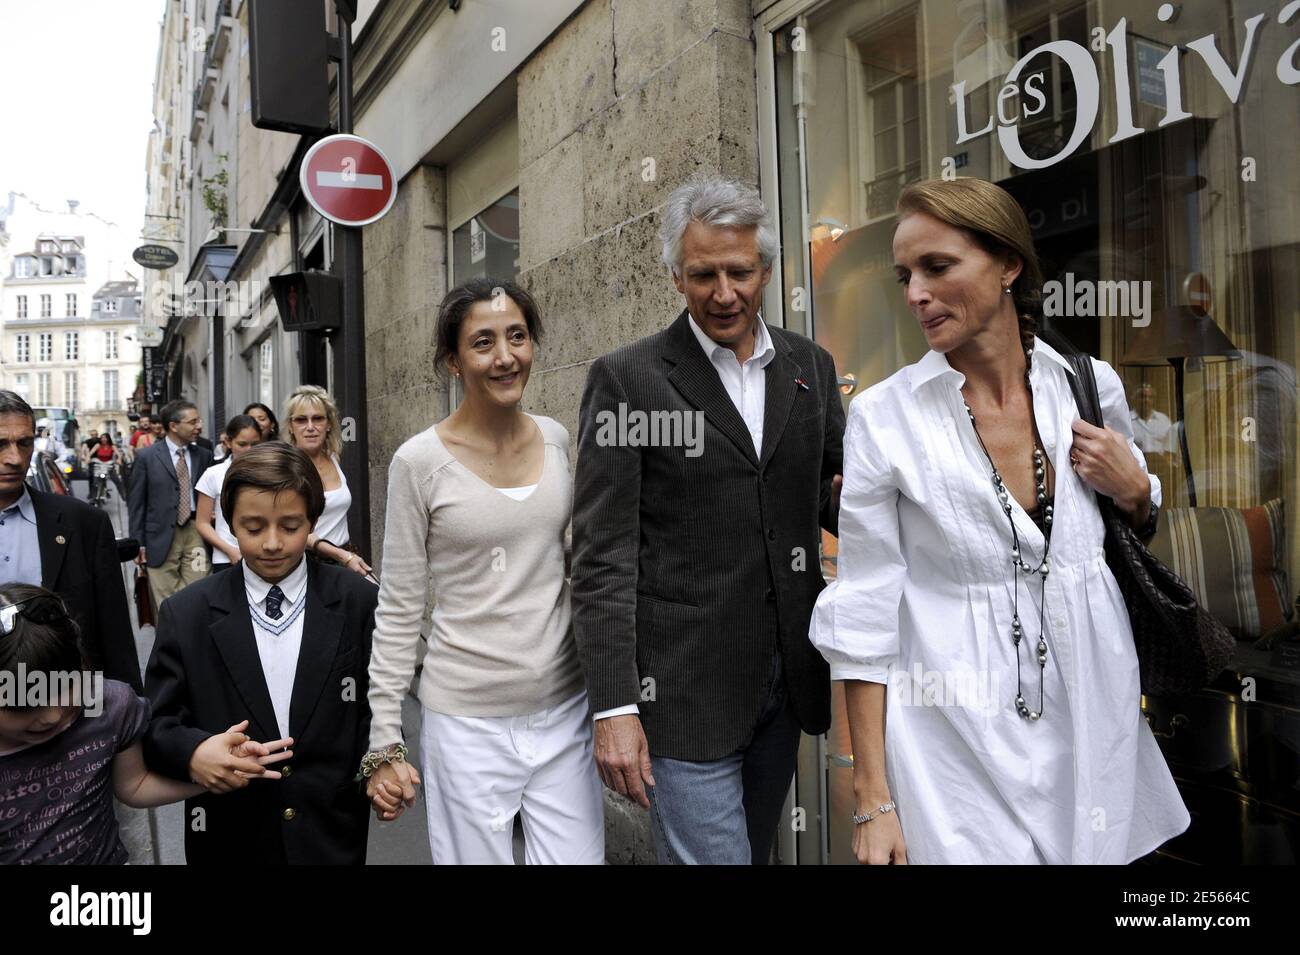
(801,383)
(60,539)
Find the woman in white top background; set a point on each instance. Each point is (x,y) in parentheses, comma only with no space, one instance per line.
(991,680)
(312,423)
(242,433)
(478,507)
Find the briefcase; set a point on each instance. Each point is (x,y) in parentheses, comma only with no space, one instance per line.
(144,608)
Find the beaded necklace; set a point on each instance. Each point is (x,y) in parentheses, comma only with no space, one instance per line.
(1018,563)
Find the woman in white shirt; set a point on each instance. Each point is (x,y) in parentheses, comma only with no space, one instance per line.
(478,508)
(312,422)
(990,673)
(241,433)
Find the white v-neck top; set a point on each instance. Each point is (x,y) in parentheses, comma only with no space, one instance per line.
(923,603)
(492,568)
(518,493)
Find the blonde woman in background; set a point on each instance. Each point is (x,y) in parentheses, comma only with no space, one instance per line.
(312,422)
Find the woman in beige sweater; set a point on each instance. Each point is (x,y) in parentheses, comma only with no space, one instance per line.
(477,511)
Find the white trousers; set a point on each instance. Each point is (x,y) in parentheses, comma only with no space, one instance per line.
(480,772)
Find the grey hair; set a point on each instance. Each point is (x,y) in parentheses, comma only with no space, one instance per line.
(12,403)
(717,201)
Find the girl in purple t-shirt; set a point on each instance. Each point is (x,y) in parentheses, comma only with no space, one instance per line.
(70,742)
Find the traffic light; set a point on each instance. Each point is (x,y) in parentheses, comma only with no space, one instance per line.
(308,301)
(288,65)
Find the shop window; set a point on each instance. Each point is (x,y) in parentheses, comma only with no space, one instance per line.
(488,244)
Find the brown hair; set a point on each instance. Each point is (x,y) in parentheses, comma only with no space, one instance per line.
(455,308)
(995,222)
(273,466)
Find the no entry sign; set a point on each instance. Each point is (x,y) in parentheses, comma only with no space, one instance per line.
(347,180)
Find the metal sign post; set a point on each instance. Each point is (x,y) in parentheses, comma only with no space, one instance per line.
(349,344)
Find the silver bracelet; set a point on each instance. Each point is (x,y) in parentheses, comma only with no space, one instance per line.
(872,814)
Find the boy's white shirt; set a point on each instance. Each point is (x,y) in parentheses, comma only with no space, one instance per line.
(279,654)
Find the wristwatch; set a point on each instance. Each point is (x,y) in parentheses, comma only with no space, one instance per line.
(1148,529)
(872,814)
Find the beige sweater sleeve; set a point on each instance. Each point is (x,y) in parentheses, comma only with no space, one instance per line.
(403,595)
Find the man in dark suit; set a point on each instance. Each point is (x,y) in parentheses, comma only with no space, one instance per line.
(283,642)
(64,545)
(696,561)
(162,503)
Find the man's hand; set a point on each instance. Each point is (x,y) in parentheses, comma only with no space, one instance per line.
(140,558)
(227,761)
(391,789)
(623,757)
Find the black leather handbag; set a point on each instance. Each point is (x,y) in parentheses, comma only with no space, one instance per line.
(1180,647)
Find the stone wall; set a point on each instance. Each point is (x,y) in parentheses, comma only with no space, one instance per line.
(405,277)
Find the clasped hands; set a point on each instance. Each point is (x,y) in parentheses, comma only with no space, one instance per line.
(391,789)
(231,760)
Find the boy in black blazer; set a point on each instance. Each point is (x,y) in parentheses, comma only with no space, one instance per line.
(284,642)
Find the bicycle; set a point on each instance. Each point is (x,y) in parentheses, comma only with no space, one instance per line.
(101,472)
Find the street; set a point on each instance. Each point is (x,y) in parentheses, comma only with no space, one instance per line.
(157,837)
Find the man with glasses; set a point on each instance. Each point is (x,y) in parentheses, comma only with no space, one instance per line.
(162,503)
(64,545)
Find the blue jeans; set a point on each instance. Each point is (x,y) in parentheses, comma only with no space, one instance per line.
(726,811)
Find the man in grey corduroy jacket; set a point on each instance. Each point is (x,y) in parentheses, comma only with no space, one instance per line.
(709,456)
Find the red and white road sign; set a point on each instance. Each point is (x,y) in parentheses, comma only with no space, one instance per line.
(348,180)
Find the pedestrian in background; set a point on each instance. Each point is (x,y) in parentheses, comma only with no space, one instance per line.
(107,456)
(142,436)
(241,434)
(265,419)
(313,421)
(162,503)
(66,546)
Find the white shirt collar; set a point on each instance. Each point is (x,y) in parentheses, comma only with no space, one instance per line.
(764,350)
(175,448)
(292,586)
(934,364)
(25,506)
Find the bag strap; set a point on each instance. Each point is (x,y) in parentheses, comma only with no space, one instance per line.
(1084,385)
